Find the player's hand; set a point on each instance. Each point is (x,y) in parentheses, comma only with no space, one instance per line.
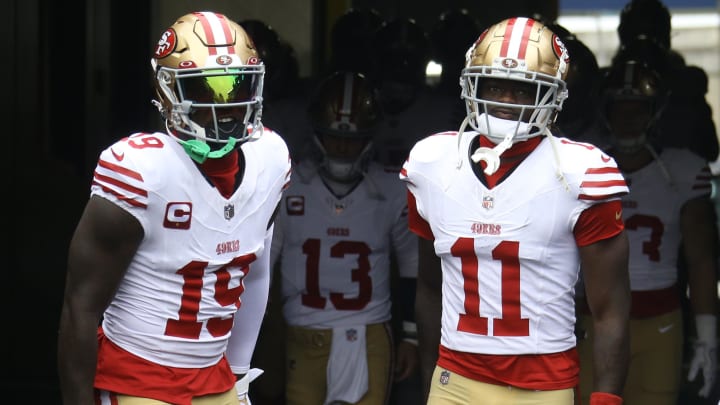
(705,356)
(242,386)
(407,360)
(705,360)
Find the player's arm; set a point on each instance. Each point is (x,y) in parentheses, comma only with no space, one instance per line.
(428,308)
(428,296)
(104,243)
(607,287)
(699,233)
(249,317)
(405,248)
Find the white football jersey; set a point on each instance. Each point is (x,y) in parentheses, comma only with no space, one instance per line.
(176,303)
(651,212)
(509,257)
(335,253)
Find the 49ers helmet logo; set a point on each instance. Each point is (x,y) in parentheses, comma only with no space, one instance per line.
(509,63)
(167,43)
(559,49)
(223,60)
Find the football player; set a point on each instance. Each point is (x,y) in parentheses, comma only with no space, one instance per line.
(508,213)
(668,204)
(343,246)
(171,255)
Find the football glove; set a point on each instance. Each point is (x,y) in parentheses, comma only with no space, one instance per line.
(242,386)
(705,357)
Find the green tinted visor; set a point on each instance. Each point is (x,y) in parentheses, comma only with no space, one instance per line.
(224,88)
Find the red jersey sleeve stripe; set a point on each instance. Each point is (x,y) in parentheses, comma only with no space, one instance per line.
(121,197)
(603,170)
(603,183)
(106,180)
(596,197)
(702,187)
(120,170)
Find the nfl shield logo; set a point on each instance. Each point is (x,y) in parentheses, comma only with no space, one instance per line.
(444,377)
(229,211)
(487,202)
(351,335)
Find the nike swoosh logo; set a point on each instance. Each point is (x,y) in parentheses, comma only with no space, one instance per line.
(666,328)
(618,215)
(604,158)
(118,156)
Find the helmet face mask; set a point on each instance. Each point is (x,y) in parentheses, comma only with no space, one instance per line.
(521,50)
(345,159)
(344,113)
(209,84)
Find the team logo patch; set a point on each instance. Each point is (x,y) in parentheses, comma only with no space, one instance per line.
(444,377)
(223,60)
(229,211)
(559,49)
(509,63)
(351,335)
(167,43)
(488,202)
(295,205)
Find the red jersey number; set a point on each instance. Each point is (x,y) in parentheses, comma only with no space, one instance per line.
(187,325)
(360,275)
(651,247)
(511,323)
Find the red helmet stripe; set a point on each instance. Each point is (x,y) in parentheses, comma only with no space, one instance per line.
(507,36)
(217,32)
(525,37)
(517,34)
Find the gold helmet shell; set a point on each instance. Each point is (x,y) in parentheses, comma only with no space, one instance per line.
(205,65)
(521,44)
(345,104)
(344,110)
(204,40)
(524,50)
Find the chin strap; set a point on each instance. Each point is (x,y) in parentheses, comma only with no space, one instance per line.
(661,164)
(200,151)
(491,156)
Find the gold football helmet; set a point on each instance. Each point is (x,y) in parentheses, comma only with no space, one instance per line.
(519,49)
(634,96)
(209,81)
(344,113)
